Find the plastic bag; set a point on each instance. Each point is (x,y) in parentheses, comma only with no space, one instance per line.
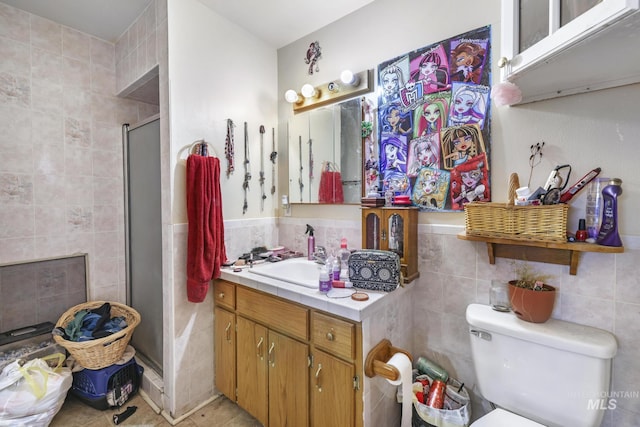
(32,394)
(456,413)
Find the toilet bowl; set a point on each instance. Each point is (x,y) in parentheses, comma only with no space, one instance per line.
(539,374)
(501,418)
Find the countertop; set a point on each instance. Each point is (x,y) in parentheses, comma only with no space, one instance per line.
(313,298)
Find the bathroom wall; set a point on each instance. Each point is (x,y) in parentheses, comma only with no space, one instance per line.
(576,130)
(61,148)
(218,71)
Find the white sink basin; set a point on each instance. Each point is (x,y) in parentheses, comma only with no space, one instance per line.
(298,271)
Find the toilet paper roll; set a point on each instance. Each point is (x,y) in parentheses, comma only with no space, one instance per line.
(402,363)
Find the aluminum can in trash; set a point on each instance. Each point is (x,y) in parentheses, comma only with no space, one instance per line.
(431,368)
(436,394)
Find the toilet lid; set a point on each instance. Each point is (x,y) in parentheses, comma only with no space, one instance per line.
(501,418)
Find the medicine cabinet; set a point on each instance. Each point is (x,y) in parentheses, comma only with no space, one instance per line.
(553,48)
(326,139)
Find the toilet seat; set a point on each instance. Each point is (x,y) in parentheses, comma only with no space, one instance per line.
(501,418)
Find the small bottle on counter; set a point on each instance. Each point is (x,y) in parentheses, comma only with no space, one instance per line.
(335,268)
(311,242)
(581,234)
(343,256)
(324,284)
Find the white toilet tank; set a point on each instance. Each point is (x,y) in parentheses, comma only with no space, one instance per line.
(556,373)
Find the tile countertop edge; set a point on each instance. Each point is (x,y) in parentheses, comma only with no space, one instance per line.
(312,298)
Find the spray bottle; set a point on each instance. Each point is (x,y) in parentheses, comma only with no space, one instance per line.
(311,242)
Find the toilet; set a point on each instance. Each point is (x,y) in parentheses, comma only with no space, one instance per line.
(553,374)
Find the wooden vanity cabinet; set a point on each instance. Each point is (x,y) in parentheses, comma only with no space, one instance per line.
(393,229)
(335,383)
(272,375)
(225,344)
(292,365)
(224,327)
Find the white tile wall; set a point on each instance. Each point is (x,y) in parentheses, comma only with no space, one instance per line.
(454,273)
(61,167)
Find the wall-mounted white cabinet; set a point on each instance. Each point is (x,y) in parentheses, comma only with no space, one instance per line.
(556,48)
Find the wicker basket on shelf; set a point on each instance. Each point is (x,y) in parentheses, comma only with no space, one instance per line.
(101,352)
(544,223)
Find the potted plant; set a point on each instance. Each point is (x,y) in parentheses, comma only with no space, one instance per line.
(531,298)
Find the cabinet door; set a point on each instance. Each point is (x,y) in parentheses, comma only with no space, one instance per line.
(332,392)
(252,369)
(225,352)
(371,229)
(288,382)
(396,234)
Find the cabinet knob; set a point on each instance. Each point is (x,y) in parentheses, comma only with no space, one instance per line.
(330,336)
(221,295)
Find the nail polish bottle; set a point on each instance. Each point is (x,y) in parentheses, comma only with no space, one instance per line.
(581,234)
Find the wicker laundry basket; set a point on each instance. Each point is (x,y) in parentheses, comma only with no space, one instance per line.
(102,352)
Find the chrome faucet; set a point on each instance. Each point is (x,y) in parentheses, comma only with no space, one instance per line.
(320,255)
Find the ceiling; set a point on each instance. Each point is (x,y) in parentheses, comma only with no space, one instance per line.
(278,22)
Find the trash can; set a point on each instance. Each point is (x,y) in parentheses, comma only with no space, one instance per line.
(455,413)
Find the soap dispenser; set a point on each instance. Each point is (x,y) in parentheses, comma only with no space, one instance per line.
(311,242)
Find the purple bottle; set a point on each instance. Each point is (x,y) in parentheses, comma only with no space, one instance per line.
(608,235)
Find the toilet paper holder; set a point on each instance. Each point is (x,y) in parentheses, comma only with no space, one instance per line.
(376,361)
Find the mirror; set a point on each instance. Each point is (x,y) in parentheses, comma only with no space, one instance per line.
(325,154)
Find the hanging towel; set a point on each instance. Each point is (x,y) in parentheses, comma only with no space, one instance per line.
(330,189)
(205,243)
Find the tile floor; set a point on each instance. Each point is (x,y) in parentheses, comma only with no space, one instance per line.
(220,413)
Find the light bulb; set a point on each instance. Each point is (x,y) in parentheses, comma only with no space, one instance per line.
(308,91)
(349,78)
(291,96)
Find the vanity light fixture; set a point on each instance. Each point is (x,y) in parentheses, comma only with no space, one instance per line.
(292,97)
(350,85)
(347,77)
(308,91)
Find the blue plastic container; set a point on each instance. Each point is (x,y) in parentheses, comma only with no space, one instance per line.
(108,387)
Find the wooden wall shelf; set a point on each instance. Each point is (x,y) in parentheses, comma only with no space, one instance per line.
(563,253)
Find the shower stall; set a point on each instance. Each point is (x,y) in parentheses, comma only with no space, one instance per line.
(143,237)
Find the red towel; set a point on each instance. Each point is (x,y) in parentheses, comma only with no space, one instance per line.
(330,190)
(205,243)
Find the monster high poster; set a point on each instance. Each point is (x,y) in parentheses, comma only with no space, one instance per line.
(431,188)
(460,144)
(424,151)
(470,182)
(434,122)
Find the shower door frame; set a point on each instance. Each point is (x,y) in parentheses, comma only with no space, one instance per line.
(156,360)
